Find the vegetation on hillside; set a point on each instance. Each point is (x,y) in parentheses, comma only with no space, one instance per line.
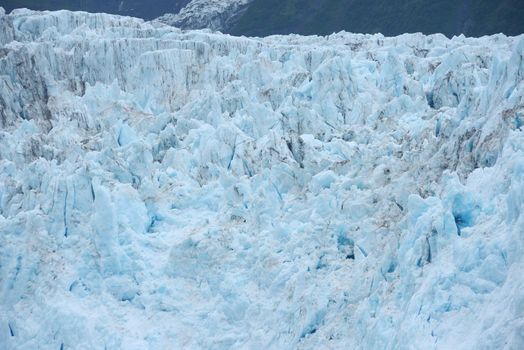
(390,17)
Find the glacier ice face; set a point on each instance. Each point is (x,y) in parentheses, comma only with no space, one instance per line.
(169,189)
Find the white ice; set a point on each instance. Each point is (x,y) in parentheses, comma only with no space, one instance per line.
(211,14)
(162,189)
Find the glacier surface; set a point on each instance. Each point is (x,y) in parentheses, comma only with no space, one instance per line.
(162,189)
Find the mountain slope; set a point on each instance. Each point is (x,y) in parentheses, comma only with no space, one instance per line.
(166,189)
(472,18)
(212,14)
(266,17)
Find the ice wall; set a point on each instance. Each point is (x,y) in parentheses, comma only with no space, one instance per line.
(164,189)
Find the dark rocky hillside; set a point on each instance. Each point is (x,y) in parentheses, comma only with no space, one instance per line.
(391,17)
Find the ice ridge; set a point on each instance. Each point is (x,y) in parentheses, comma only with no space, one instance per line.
(165,189)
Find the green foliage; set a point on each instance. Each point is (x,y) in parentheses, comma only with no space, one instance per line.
(390,17)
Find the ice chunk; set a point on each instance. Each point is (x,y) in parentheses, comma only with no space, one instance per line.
(170,189)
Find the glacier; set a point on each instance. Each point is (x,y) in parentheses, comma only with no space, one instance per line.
(167,189)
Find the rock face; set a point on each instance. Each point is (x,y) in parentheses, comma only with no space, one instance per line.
(219,15)
(167,189)
(389,17)
(318,17)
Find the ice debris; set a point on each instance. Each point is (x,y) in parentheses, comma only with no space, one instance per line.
(167,189)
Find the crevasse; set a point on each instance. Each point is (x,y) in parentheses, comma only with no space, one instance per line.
(166,189)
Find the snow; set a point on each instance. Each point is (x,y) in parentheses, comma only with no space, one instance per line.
(168,189)
(212,14)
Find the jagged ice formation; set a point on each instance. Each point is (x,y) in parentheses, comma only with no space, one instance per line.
(165,189)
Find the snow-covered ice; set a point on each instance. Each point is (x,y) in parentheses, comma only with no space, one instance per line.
(212,14)
(162,189)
